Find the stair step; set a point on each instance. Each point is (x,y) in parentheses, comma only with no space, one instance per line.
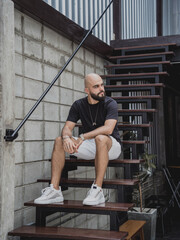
(136,64)
(78,205)
(137,110)
(134,142)
(145,46)
(129,125)
(87,182)
(134,125)
(134,87)
(137,97)
(66,233)
(130,75)
(112,163)
(142,55)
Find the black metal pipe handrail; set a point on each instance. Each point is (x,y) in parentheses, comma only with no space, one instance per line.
(13,134)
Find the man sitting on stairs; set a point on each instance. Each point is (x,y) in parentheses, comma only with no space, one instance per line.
(100,140)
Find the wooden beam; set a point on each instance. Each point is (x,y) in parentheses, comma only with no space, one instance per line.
(159,16)
(117,19)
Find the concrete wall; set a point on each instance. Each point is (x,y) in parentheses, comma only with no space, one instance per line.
(39,54)
(6,116)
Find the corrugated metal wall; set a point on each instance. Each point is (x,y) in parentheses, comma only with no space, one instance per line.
(171,17)
(138,18)
(75,9)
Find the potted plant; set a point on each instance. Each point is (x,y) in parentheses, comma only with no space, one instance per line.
(147,214)
(148,164)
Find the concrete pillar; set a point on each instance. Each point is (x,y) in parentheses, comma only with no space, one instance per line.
(7,173)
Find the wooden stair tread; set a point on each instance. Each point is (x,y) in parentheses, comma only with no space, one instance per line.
(116,161)
(135,125)
(76,204)
(135,85)
(89,181)
(132,227)
(136,64)
(146,125)
(137,110)
(138,97)
(67,233)
(134,74)
(145,46)
(134,141)
(143,55)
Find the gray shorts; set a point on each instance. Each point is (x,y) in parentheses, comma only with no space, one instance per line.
(87,149)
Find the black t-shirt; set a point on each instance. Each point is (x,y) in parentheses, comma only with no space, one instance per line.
(99,113)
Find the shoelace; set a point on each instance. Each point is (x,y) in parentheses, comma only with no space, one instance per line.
(91,190)
(45,190)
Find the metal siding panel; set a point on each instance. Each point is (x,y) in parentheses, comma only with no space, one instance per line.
(73,9)
(76,12)
(138,18)
(89,13)
(100,22)
(63,7)
(126,17)
(103,21)
(111,23)
(60,6)
(107,32)
(49,2)
(57,5)
(133,17)
(95,16)
(67,8)
(123,20)
(80,13)
(85,13)
(171,17)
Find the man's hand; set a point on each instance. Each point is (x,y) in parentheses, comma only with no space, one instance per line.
(79,142)
(69,145)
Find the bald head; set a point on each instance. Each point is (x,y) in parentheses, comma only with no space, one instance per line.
(94,87)
(90,79)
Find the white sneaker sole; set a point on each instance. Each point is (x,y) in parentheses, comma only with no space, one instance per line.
(55,200)
(92,203)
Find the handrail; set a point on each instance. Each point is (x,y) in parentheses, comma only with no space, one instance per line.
(13,134)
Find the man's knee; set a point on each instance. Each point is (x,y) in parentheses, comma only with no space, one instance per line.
(58,142)
(101,139)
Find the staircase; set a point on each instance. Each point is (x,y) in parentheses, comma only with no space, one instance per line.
(135,79)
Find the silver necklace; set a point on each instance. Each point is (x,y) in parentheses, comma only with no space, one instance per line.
(93,122)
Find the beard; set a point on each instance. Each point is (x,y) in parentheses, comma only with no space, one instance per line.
(97,97)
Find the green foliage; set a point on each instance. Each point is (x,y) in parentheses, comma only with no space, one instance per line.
(148,164)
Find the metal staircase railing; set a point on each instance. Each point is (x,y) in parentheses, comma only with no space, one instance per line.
(13,134)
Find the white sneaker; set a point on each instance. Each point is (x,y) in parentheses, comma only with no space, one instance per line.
(94,196)
(50,195)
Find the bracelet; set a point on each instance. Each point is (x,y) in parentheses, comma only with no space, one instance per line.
(82,136)
(65,137)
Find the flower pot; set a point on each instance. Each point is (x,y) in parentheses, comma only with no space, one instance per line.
(149,215)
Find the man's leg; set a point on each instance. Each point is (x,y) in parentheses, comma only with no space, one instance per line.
(103,145)
(95,195)
(53,193)
(57,162)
